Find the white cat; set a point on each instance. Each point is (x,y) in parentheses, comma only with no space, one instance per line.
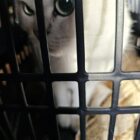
(99,29)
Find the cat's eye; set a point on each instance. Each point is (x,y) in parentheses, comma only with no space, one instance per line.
(64,7)
(27,10)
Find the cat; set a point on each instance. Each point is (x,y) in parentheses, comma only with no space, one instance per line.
(99,35)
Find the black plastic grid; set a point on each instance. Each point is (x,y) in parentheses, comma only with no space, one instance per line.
(81,76)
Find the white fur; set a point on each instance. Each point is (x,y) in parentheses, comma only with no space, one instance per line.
(99,29)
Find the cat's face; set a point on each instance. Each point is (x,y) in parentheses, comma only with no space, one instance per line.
(56,26)
(27,14)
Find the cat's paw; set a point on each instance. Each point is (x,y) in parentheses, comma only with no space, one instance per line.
(66,95)
(64,121)
(75,122)
(69,121)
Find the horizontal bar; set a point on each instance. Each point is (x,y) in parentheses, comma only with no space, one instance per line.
(118,110)
(70,77)
(69,110)
(93,111)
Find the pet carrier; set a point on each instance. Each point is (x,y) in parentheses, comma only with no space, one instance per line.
(25,114)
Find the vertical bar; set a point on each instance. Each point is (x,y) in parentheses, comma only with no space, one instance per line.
(133,5)
(138,9)
(5,21)
(81,63)
(18,119)
(111,126)
(23,95)
(80,36)
(11,45)
(118,60)
(82,112)
(136,6)
(119,34)
(28,115)
(82,126)
(32,127)
(13,3)
(115,93)
(45,56)
(9,126)
(7,26)
(42,36)
(137,136)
